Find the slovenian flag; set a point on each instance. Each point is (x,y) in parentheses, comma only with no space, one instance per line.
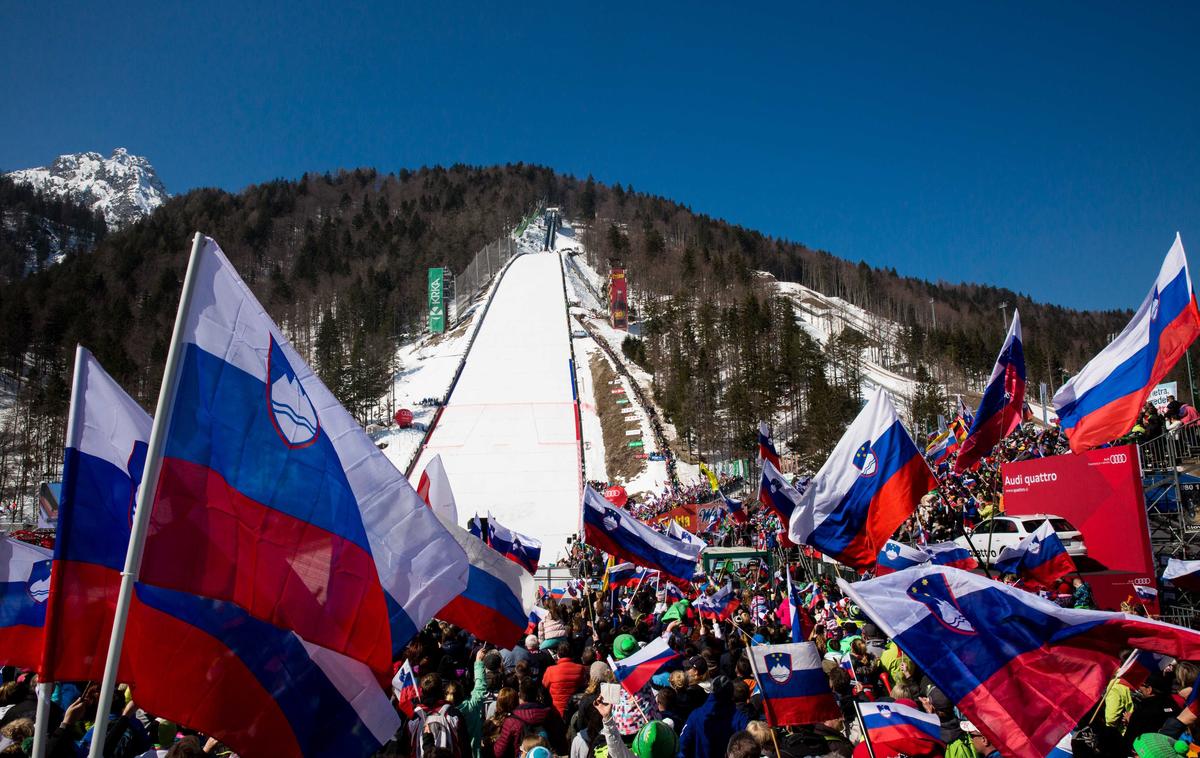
(1140,665)
(718,606)
(1103,400)
(1144,593)
(1002,408)
(901,729)
(434,489)
(522,550)
(868,487)
(766,448)
(618,533)
(794,687)
(105,453)
(951,554)
(896,557)
(270,495)
(735,509)
(774,492)
(1183,574)
(1001,654)
(404,686)
(24,589)
(789,612)
(628,575)
(499,596)
(636,671)
(1040,559)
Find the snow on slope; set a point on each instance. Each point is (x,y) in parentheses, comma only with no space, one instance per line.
(123,187)
(507,434)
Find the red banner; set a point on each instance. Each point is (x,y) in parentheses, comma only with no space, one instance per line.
(688,516)
(618,299)
(1100,493)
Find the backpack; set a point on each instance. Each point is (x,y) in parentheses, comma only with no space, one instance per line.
(443,725)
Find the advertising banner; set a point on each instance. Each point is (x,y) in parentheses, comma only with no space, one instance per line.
(686,516)
(1100,493)
(618,299)
(437,304)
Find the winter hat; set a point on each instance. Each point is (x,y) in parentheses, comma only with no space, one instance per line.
(598,671)
(655,740)
(624,646)
(1154,745)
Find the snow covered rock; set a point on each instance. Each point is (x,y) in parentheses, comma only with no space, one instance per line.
(123,187)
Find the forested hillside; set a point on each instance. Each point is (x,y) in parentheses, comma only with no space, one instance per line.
(339,261)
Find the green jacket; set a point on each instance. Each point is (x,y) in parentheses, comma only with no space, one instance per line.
(961,748)
(472,710)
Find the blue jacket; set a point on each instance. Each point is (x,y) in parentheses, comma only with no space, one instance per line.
(709,728)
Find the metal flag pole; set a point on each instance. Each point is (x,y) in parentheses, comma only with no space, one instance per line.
(145,500)
(44,689)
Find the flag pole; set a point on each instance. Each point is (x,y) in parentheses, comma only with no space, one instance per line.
(754,671)
(145,500)
(863,726)
(44,689)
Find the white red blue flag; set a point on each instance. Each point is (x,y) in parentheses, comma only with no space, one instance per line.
(259,689)
(1140,664)
(951,554)
(271,495)
(1183,574)
(434,489)
(766,448)
(24,589)
(794,687)
(628,575)
(1001,410)
(499,595)
(897,728)
(774,492)
(868,487)
(105,453)
(636,671)
(1040,559)
(404,686)
(719,605)
(522,550)
(1021,668)
(618,533)
(896,556)
(1103,400)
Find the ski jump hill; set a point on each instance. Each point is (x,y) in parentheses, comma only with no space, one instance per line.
(508,435)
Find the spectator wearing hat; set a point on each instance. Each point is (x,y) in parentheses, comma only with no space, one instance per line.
(1152,706)
(1154,745)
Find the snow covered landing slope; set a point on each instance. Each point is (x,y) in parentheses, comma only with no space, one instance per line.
(507,434)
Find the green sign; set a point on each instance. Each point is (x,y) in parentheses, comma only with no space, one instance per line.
(636,443)
(621,401)
(437,304)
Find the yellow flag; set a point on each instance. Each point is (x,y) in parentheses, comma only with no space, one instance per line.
(712,478)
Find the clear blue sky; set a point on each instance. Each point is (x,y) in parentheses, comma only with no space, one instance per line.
(1048,147)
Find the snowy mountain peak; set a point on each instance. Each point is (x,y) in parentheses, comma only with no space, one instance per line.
(123,187)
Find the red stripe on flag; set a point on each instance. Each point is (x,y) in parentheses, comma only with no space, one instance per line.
(81,611)
(892,504)
(483,621)
(208,539)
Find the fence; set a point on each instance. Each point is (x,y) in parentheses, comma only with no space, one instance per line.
(471,282)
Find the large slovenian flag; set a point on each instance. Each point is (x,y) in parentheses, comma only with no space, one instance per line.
(1002,408)
(1183,574)
(868,487)
(271,496)
(518,548)
(774,492)
(1021,668)
(499,596)
(24,589)
(102,465)
(260,689)
(1040,559)
(1103,400)
(719,605)
(794,687)
(618,533)
(434,488)
(766,448)
(902,729)
(951,554)
(896,556)
(636,671)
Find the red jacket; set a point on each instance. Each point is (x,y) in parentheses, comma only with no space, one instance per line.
(563,680)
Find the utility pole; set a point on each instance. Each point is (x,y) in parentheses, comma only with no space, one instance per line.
(1004,314)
